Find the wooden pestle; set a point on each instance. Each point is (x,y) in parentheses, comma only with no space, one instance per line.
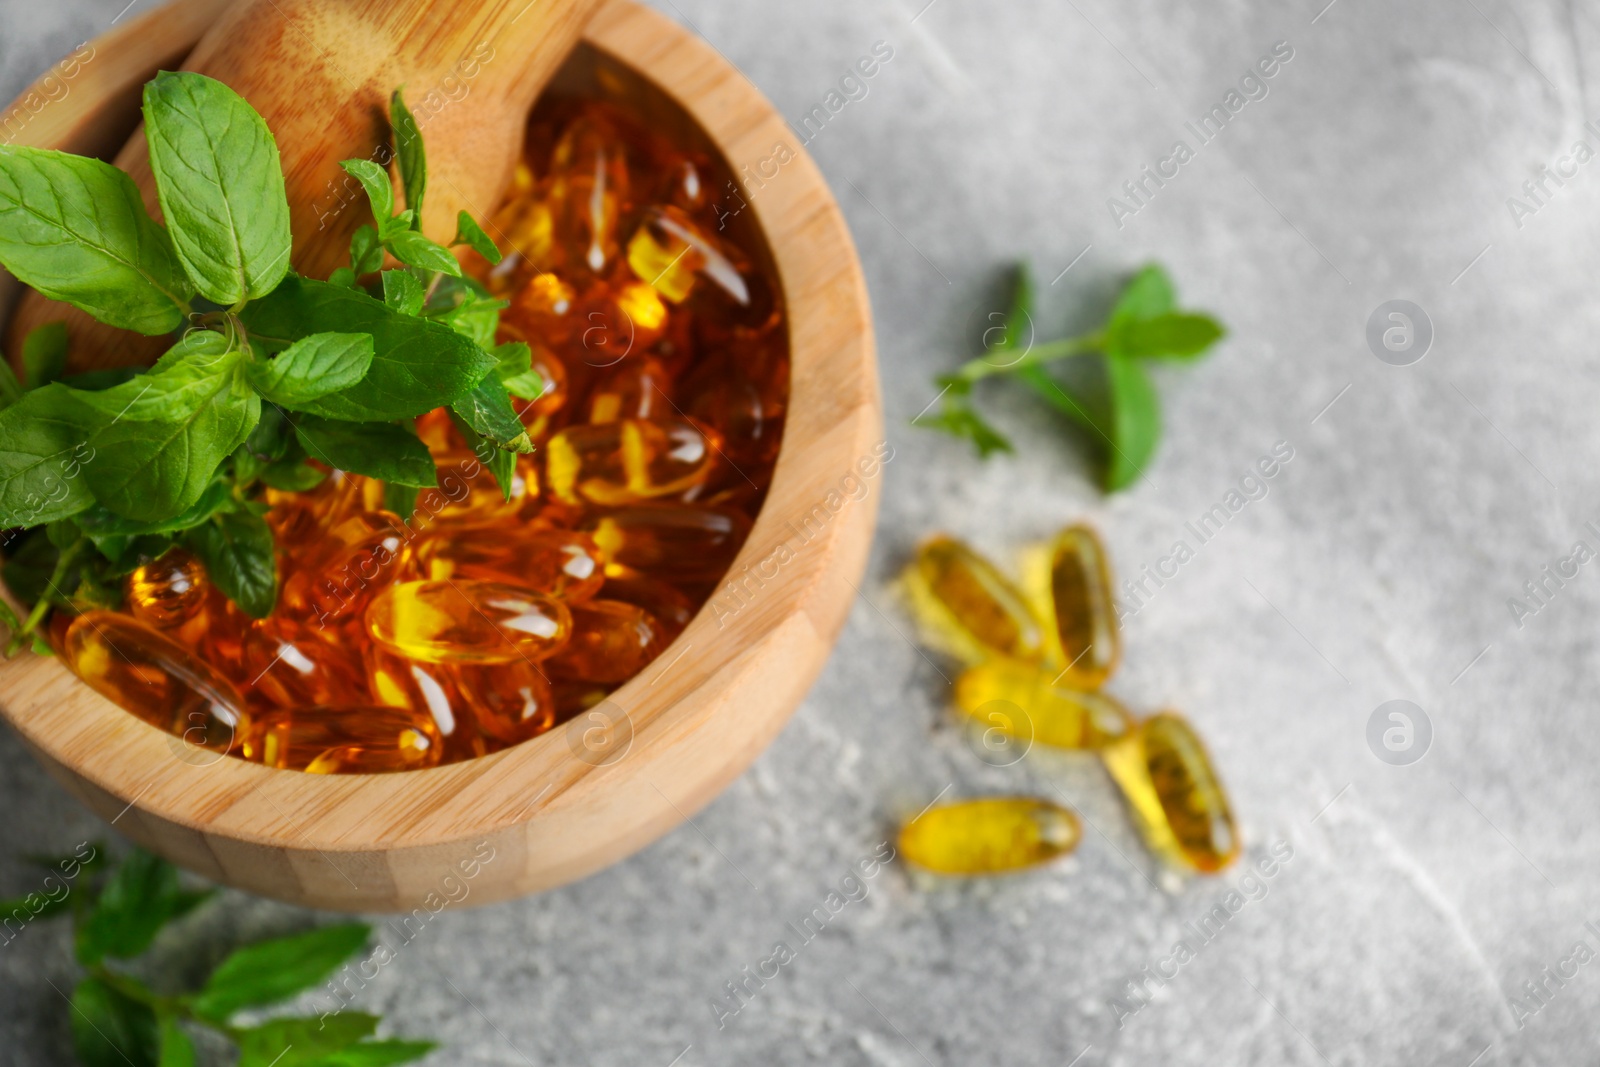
(321,72)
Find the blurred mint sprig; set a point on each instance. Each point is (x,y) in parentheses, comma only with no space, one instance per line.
(1121,417)
(118,1020)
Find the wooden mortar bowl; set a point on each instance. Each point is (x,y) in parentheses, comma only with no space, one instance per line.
(594,790)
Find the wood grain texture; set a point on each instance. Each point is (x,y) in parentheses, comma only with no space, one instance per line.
(698,715)
(292,59)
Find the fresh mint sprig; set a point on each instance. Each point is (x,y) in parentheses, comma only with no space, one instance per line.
(122,1020)
(1122,416)
(272,370)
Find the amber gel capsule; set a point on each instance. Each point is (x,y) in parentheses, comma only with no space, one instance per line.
(156,678)
(344,740)
(466,621)
(167,591)
(1025,701)
(966,607)
(1176,797)
(989,836)
(1069,581)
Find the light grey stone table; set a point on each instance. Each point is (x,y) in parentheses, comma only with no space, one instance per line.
(1387,160)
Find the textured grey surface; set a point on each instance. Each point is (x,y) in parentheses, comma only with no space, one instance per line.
(1378,567)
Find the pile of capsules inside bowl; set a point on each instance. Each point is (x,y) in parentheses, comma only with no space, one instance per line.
(479,622)
(1036,659)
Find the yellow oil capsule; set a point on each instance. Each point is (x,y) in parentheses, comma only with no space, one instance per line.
(157,679)
(671,253)
(968,608)
(1026,701)
(564,563)
(510,702)
(468,621)
(686,544)
(345,739)
(611,642)
(616,463)
(1069,582)
(992,835)
(167,591)
(1176,797)
(644,316)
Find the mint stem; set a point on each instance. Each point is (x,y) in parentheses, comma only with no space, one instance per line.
(988,365)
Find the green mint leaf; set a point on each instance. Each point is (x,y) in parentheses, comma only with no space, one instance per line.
(10,388)
(99,523)
(94,381)
(111,1029)
(413,157)
(312,368)
(366,251)
(468,232)
(375,180)
(1173,335)
(487,409)
(414,250)
(467,308)
(400,499)
(237,550)
(516,370)
(957,418)
(403,292)
(19,910)
(1039,380)
(159,438)
(417,365)
(1148,293)
(296,476)
(378,1054)
(43,453)
(44,354)
(501,463)
(76,230)
(220,183)
(342,276)
(30,561)
(381,450)
(269,971)
(176,1048)
(302,1042)
(1135,423)
(140,897)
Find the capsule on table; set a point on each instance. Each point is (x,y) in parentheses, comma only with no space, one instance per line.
(468,621)
(344,739)
(509,702)
(564,563)
(725,398)
(686,544)
(968,608)
(671,253)
(1026,701)
(1069,581)
(294,665)
(168,591)
(1177,799)
(617,463)
(992,835)
(157,679)
(611,642)
(544,311)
